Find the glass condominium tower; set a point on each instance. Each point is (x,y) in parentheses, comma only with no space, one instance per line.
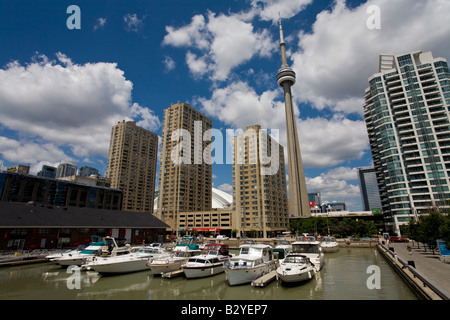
(407,116)
(368,185)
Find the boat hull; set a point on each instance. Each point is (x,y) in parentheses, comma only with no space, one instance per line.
(295,276)
(316,260)
(75,261)
(202,272)
(329,249)
(158,269)
(247,275)
(120,267)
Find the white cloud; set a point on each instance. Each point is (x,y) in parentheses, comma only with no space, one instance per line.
(100,23)
(133,23)
(343,173)
(240,106)
(327,143)
(337,57)
(222,43)
(197,66)
(269,9)
(226,187)
(28,151)
(144,117)
(187,36)
(60,104)
(333,186)
(169,63)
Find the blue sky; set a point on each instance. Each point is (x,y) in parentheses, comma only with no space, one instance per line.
(62,90)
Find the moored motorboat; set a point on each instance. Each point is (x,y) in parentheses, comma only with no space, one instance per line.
(134,261)
(54,256)
(189,242)
(282,249)
(208,263)
(295,268)
(329,244)
(107,247)
(172,262)
(202,266)
(311,249)
(77,257)
(253,261)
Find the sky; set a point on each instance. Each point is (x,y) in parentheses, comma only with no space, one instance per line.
(68,76)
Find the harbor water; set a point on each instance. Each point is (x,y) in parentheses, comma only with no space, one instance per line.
(350,274)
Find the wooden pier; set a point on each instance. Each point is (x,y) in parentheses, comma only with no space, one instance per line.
(265,279)
(172,274)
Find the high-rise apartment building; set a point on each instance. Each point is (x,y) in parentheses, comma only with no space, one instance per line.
(259,184)
(408,121)
(185,179)
(88,171)
(368,186)
(47,172)
(131,166)
(66,169)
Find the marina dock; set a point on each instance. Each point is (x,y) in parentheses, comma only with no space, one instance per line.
(172,274)
(265,279)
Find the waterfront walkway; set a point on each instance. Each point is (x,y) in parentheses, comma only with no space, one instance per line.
(426,263)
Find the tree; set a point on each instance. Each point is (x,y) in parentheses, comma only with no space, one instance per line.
(413,231)
(429,228)
(345,228)
(444,230)
(365,228)
(430,225)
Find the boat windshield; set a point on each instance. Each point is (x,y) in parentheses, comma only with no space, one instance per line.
(239,263)
(210,252)
(181,254)
(197,260)
(185,241)
(305,248)
(329,239)
(294,259)
(148,250)
(251,251)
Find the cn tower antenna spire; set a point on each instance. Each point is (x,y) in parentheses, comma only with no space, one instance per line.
(281,29)
(282,44)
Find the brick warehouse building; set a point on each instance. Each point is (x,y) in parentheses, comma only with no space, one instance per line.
(27,226)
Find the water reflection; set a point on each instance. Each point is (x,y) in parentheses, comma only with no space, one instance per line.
(343,276)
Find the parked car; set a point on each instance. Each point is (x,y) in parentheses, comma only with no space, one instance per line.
(397,239)
(222,237)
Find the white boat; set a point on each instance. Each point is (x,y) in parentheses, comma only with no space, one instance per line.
(190,242)
(107,247)
(208,263)
(253,261)
(329,244)
(311,249)
(206,242)
(295,268)
(54,256)
(173,262)
(132,262)
(283,248)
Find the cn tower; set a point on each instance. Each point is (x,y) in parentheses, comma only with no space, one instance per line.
(298,195)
